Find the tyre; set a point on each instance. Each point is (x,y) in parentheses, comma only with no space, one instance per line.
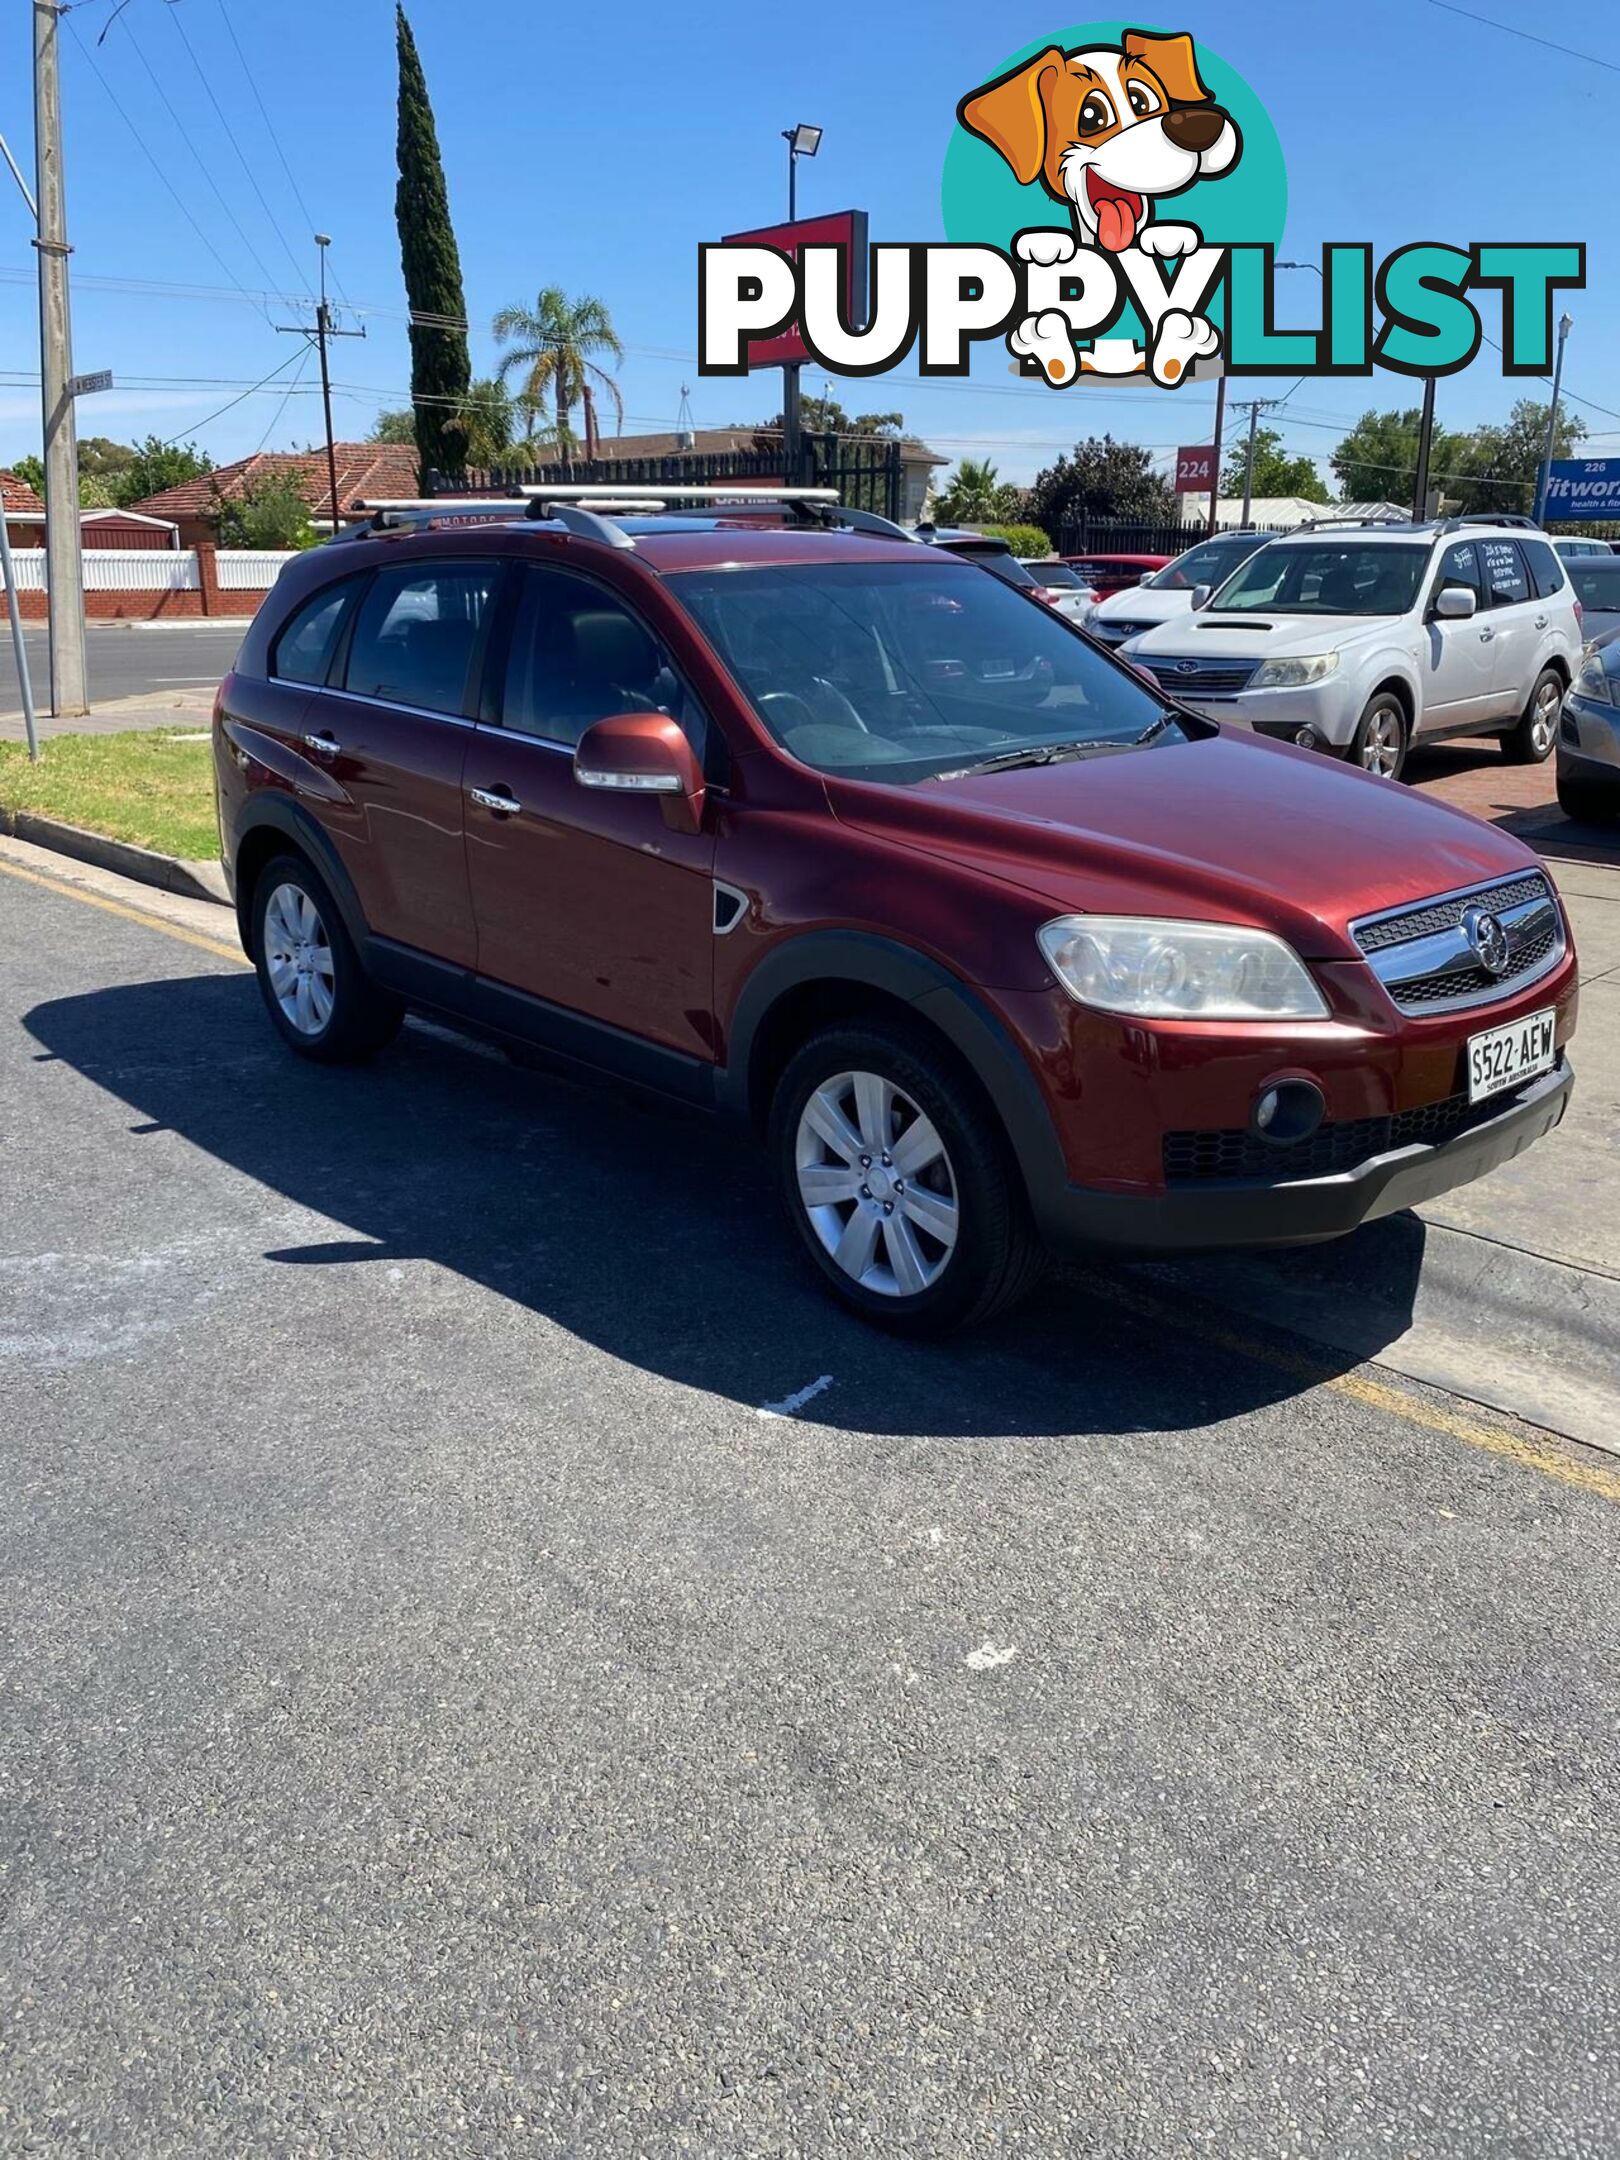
(1531,741)
(319,998)
(899,1181)
(1589,802)
(1379,743)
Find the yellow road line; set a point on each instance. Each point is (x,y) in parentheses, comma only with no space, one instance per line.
(70,891)
(1547,1457)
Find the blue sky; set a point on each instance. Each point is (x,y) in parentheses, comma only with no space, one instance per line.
(594,148)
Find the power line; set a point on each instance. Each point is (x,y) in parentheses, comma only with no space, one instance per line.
(230,136)
(1529,36)
(275,139)
(275,418)
(170,440)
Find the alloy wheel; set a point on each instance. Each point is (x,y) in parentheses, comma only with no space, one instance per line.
(877,1184)
(298,959)
(1381,744)
(1544,718)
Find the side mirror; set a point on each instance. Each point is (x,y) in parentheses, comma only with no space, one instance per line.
(1201,595)
(1454,603)
(644,753)
(1147,577)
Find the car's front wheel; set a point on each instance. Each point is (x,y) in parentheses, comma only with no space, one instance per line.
(898,1179)
(1379,744)
(1537,731)
(1589,802)
(319,997)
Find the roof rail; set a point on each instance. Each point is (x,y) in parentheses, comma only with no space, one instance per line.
(1320,524)
(400,513)
(659,491)
(1517,519)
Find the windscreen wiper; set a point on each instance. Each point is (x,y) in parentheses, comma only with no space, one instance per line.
(1032,754)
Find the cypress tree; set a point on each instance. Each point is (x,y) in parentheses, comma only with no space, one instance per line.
(441,370)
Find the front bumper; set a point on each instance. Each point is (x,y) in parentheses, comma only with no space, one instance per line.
(1331,709)
(1589,739)
(1251,1213)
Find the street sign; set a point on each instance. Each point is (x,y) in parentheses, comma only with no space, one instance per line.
(1583,488)
(83,385)
(1195,470)
(844,228)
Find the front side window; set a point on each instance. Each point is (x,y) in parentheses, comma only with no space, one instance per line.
(1505,579)
(579,656)
(908,671)
(418,632)
(303,651)
(1325,577)
(1459,565)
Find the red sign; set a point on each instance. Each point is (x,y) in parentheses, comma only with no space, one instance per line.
(844,228)
(1195,471)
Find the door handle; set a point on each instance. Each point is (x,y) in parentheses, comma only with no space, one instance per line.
(1541,622)
(325,744)
(496,799)
(1485,636)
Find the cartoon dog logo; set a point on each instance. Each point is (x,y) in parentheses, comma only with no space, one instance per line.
(1107,130)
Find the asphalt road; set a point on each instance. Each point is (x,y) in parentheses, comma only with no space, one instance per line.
(128,660)
(442,1714)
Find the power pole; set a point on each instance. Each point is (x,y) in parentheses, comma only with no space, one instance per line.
(1420,488)
(1248,460)
(64,568)
(1220,428)
(1565,326)
(323,330)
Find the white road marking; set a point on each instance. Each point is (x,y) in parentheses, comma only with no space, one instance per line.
(987,1656)
(797,1400)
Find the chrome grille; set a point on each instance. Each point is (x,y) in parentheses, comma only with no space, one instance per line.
(1116,632)
(1426,956)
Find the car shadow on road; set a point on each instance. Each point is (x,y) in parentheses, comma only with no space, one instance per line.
(642,1229)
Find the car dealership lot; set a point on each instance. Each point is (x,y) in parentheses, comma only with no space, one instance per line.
(493,1655)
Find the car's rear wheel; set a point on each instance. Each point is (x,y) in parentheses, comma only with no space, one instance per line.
(1589,802)
(1379,743)
(319,997)
(1537,731)
(898,1179)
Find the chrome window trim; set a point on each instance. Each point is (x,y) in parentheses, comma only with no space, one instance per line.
(383,704)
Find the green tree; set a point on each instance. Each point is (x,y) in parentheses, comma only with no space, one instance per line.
(1102,479)
(269,513)
(825,416)
(30,470)
(486,423)
(441,369)
(1496,464)
(102,458)
(1274,472)
(971,496)
(394,427)
(95,494)
(1377,460)
(155,465)
(552,348)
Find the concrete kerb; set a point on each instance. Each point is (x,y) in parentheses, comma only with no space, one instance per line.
(169,873)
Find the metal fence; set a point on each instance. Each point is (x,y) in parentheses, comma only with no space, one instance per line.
(1124,536)
(865,469)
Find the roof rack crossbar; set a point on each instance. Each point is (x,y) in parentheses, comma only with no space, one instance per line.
(399,514)
(584,524)
(659,491)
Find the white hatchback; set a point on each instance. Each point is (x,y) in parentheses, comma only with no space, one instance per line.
(1362,639)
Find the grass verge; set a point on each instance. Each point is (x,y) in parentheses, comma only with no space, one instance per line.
(151,786)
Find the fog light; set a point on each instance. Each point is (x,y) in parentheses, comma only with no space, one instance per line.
(1287,1111)
(1305,737)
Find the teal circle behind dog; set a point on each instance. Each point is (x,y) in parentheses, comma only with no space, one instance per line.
(982,199)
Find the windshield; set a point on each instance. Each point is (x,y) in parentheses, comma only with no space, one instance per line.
(1326,577)
(1596,582)
(901,671)
(1205,565)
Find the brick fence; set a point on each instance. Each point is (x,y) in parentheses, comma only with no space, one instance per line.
(156,585)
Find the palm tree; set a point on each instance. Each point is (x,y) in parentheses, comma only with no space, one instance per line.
(971,492)
(552,345)
(485,421)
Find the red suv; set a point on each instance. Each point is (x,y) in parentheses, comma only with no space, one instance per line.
(840,837)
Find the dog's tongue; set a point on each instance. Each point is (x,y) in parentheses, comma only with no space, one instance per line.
(1116,221)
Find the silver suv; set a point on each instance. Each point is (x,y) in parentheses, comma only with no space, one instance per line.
(1363,638)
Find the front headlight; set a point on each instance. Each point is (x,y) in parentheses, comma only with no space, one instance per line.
(1593,680)
(1294,674)
(1167,970)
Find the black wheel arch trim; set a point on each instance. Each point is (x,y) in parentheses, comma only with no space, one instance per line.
(949,1004)
(289,820)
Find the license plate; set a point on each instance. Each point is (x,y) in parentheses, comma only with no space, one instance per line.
(1505,1057)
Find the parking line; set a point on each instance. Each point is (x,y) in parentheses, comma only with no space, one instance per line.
(68,891)
(1548,1458)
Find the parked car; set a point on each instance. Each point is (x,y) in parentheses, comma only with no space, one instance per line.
(1589,736)
(1365,638)
(1569,545)
(994,554)
(1061,587)
(830,834)
(1107,574)
(1164,594)
(1597,587)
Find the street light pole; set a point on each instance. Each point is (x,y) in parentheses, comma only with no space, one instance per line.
(802,141)
(1420,489)
(1248,461)
(1215,480)
(64,568)
(323,330)
(1565,326)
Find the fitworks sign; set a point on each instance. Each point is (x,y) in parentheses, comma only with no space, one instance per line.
(1583,488)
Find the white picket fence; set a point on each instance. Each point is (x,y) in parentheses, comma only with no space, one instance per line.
(154,570)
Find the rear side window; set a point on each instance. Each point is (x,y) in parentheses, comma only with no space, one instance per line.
(1546,572)
(303,651)
(1505,577)
(418,633)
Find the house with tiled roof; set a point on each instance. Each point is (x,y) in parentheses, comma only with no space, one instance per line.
(20,502)
(364,470)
